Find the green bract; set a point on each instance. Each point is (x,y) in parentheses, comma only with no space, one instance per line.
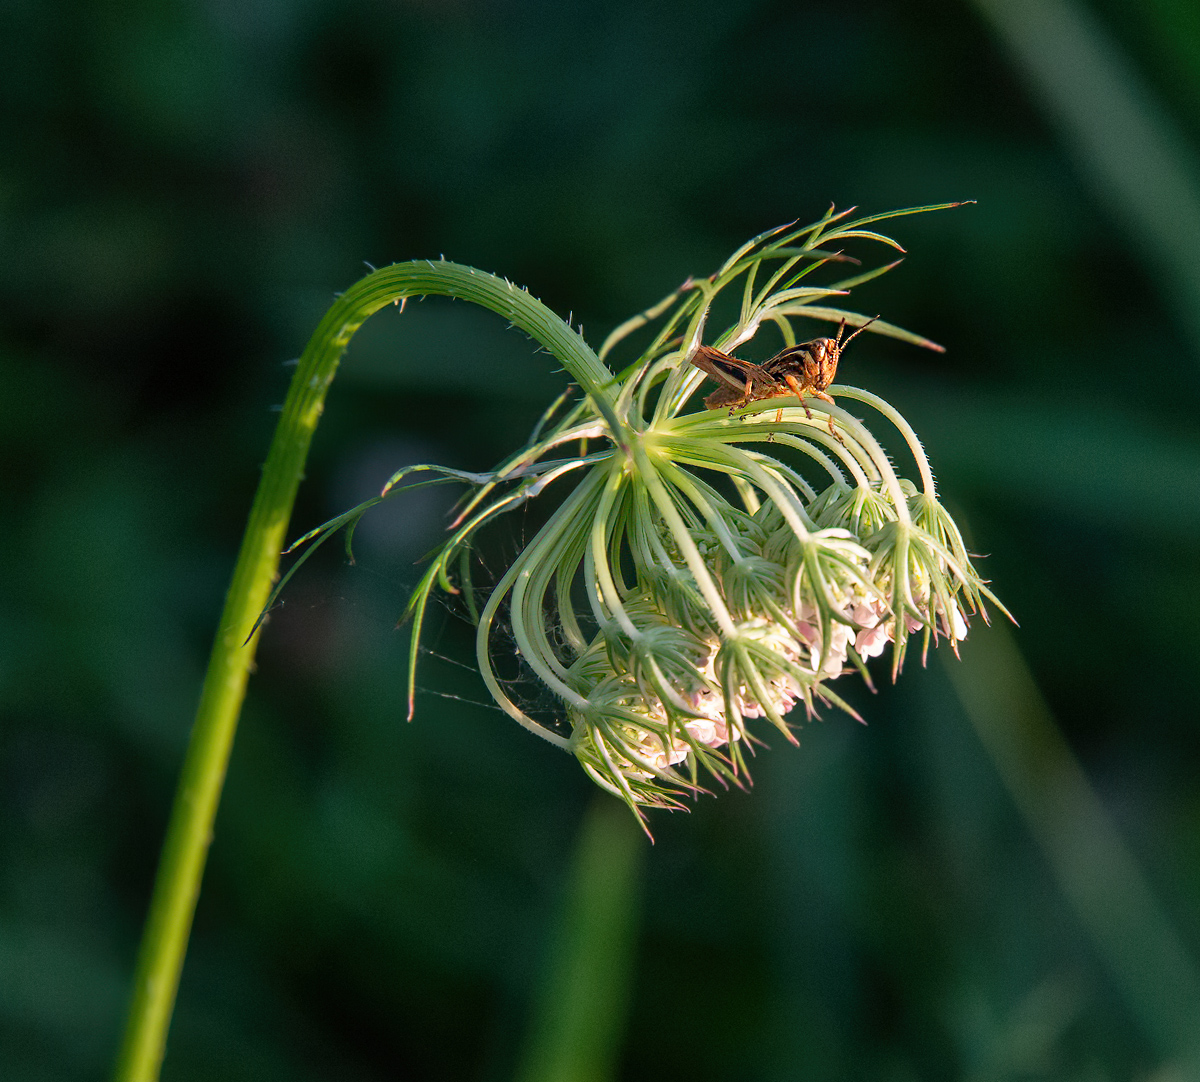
(707,568)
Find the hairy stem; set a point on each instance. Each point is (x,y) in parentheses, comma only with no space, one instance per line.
(189,831)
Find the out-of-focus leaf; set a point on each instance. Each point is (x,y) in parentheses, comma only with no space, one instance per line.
(1135,157)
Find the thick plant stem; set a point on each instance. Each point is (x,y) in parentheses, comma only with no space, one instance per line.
(189,831)
(579,1014)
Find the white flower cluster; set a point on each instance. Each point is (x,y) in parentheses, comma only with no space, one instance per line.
(676,693)
(697,577)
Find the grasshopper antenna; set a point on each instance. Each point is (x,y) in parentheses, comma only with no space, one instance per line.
(843,345)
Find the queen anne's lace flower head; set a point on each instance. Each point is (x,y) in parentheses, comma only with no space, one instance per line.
(719,567)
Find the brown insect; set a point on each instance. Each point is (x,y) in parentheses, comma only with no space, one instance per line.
(806,368)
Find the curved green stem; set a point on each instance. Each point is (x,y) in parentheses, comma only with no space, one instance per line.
(185,849)
(905,429)
(598,539)
(683,539)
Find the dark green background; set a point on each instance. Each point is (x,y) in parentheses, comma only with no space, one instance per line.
(182,189)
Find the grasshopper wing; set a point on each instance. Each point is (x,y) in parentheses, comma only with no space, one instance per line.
(739,381)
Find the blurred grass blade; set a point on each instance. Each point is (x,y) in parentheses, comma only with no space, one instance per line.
(1140,165)
(579,1015)
(1093,866)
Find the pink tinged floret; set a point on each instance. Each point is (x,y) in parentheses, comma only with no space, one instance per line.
(872,636)
(839,648)
(810,635)
(659,753)
(677,754)
(710,732)
(835,656)
(870,641)
(709,729)
(787,692)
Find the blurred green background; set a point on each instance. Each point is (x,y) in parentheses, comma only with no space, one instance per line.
(183,187)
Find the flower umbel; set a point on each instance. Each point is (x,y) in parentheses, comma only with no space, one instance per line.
(714,567)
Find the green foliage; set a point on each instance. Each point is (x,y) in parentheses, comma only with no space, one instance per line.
(184,186)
